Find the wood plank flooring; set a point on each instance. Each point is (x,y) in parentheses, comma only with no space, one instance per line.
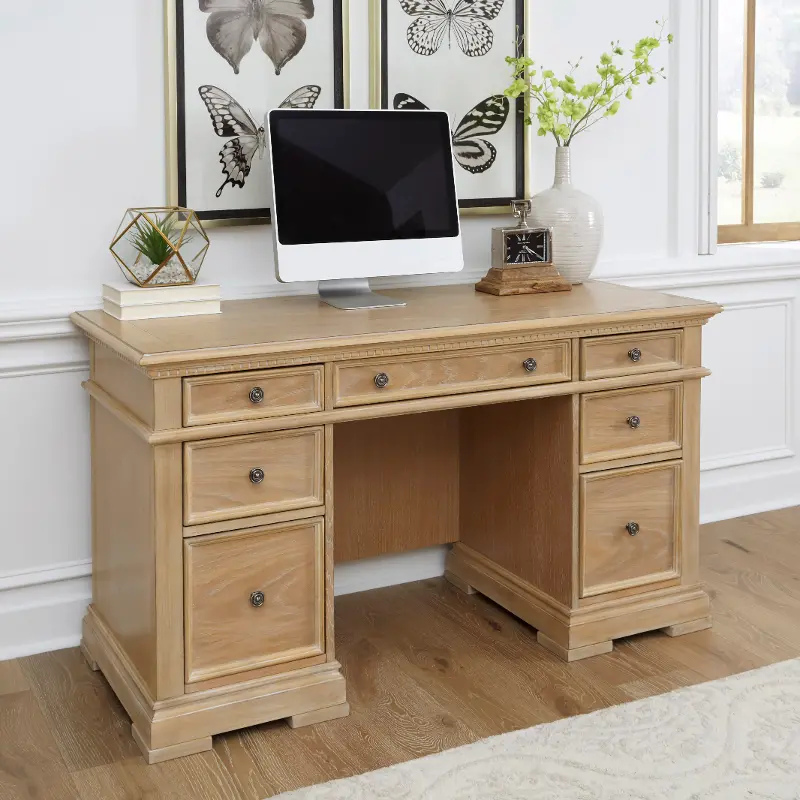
(427,668)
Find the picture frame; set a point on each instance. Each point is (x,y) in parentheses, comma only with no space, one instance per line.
(388,74)
(192,63)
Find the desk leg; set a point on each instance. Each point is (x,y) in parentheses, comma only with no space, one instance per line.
(576,653)
(682,628)
(459,583)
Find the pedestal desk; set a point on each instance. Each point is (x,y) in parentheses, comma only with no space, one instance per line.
(552,440)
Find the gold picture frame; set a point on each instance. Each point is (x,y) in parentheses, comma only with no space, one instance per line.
(378,99)
(173,101)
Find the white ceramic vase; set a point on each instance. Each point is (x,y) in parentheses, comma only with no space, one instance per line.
(576,220)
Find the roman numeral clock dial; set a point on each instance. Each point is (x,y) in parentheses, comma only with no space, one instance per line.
(527,248)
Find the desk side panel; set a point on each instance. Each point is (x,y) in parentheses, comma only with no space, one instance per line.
(517,489)
(123,476)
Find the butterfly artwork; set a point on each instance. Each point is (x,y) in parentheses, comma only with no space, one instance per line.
(277,25)
(231,120)
(472,152)
(465,21)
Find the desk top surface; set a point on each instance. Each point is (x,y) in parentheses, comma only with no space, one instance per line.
(303,323)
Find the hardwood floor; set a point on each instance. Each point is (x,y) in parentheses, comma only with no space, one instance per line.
(427,667)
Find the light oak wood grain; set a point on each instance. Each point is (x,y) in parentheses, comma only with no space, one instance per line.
(428,376)
(396,484)
(250,329)
(610,356)
(123,575)
(217,483)
(607,431)
(464,445)
(124,382)
(517,486)
(612,558)
(224,398)
(379,410)
(225,633)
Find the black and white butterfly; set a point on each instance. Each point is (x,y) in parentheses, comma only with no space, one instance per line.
(277,25)
(230,119)
(473,153)
(465,21)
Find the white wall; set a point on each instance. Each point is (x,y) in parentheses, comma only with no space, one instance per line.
(85,141)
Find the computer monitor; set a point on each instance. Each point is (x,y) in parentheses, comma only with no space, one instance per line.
(362,194)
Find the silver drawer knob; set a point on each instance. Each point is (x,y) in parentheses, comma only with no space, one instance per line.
(257,599)
(634,422)
(529,364)
(632,528)
(256,475)
(381,380)
(635,354)
(256,394)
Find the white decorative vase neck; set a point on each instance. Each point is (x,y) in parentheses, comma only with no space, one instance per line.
(563,167)
(576,220)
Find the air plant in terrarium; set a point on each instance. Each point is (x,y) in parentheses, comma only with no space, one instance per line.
(160,246)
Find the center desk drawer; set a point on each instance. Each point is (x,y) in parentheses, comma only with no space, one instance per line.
(378,380)
(631,422)
(242,476)
(250,395)
(253,599)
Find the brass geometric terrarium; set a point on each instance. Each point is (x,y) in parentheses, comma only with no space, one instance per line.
(160,246)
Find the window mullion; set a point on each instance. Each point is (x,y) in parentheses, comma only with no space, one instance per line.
(749,115)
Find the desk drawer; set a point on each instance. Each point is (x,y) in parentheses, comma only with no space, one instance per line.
(613,356)
(378,380)
(631,422)
(242,476)
(630,527)
(253,599)
(251,395)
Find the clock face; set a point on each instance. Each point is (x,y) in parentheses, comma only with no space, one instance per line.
(527,247)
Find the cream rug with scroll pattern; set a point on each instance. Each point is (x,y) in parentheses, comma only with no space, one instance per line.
(730,739)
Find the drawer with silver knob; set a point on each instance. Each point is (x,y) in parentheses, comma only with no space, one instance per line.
(244,476)
(379,380)
(253,598)
(630,354)
(256,394)
(631,422)
(630,527)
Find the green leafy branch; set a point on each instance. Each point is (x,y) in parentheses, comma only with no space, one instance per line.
(565,109)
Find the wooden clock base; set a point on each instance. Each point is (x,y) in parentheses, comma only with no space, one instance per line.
(523,280)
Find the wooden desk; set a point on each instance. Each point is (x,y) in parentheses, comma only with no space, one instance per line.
(552,439)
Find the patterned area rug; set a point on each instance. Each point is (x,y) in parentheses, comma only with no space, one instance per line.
(728,739)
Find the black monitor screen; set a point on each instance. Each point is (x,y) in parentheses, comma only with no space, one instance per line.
(354,176)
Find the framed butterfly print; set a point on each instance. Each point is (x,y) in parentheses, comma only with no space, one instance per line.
(228,63)
(450,55)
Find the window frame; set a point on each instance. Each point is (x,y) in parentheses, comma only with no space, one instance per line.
(749,231)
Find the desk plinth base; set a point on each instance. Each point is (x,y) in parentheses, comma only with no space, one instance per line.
(183,725)
(523,280)
(582,632)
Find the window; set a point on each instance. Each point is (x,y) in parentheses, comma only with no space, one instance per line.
(759,121)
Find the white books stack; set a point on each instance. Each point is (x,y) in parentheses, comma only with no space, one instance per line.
(124,301)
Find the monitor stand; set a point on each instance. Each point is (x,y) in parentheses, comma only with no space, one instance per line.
(353,293)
